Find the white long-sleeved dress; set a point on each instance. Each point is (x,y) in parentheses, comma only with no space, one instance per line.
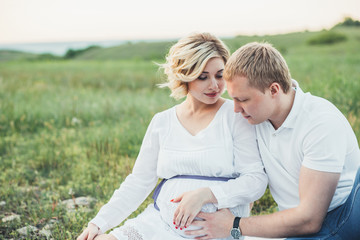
(225,148)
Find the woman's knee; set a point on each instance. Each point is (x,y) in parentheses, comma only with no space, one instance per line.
(105,237)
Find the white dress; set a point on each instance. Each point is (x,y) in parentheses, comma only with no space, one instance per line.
(225,148)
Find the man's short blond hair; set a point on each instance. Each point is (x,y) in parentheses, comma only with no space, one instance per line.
(187,59)
(261,64)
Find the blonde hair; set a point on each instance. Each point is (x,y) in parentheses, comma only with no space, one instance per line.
(261,64)
(187,59)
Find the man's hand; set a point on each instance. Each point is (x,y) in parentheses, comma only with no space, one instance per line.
(316,190)
(213,225)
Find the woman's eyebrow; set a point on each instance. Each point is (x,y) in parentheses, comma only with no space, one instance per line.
(217,71)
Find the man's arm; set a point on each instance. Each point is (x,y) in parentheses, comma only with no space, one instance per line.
(316,190)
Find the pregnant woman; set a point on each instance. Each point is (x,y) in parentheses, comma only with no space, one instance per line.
(205,153)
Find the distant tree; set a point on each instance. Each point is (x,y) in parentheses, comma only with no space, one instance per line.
(71,53)
(90,47)
(327,37)
(47,56)
(349,22)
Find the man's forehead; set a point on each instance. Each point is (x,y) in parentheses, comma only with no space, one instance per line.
(238,83)
(235,90)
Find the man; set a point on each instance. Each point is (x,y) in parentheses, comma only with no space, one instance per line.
(308,148)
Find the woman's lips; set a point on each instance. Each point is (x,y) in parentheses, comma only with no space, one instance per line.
(212,95)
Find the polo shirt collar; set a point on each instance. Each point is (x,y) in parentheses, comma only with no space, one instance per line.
(295,109)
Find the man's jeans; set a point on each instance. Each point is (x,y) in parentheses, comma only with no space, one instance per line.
(344,221)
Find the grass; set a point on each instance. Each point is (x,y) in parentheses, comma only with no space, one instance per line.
(77,125)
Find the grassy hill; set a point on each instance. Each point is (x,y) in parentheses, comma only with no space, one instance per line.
(141,50)
(294,42)
(73,127)
(12,55)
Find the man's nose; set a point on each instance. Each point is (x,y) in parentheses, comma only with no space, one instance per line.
(238,108)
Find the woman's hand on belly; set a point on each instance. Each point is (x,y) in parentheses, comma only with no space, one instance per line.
(190,204)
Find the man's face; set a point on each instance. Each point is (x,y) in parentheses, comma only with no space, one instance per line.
(253,104)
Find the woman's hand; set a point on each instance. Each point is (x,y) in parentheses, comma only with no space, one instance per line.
(90,232)
(190,204)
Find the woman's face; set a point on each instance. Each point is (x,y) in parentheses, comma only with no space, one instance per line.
(209,86)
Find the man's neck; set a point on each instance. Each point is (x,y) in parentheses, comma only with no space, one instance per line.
(285,104)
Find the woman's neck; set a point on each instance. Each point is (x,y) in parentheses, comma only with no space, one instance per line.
(194,106)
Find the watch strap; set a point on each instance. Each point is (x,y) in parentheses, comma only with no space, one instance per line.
(236,222)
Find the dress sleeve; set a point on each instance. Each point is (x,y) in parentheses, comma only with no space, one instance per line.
(252,181)
(137,186)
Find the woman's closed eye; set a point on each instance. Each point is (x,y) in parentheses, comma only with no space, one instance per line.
(202,77)
(220,76)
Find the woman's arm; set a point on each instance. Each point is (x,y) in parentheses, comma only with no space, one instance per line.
(252,182)
(135,188)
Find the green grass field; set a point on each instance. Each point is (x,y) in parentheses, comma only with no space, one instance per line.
(71,128)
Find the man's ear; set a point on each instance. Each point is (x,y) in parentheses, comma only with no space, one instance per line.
(274,88)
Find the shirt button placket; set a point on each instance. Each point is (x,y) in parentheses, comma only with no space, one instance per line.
(273,144)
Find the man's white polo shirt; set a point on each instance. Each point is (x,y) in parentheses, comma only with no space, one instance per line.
(315,135)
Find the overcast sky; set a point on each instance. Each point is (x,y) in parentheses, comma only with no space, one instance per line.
(23,21)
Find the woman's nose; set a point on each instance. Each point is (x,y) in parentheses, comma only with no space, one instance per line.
(214,84)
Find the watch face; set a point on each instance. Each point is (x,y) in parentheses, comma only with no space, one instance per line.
(235,233)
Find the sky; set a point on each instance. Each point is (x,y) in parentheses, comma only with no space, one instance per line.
(30,21)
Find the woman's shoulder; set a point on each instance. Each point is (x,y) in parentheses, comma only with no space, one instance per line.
(166,112)
(228,108)
(229,104)
(163,116)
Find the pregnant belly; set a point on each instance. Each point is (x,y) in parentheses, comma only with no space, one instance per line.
(174,187)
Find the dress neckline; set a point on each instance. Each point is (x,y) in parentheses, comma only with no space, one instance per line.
(205,128)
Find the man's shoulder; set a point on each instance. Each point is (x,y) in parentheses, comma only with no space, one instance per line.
(316,108)
(310,112)
(316,103)
(319,117)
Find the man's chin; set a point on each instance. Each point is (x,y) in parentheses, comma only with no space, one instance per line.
(252,121)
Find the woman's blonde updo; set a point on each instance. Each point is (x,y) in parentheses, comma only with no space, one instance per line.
(187,59)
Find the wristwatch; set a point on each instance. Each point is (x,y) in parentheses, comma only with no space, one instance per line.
(235,231)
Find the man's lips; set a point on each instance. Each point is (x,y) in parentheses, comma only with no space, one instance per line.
(246,117)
